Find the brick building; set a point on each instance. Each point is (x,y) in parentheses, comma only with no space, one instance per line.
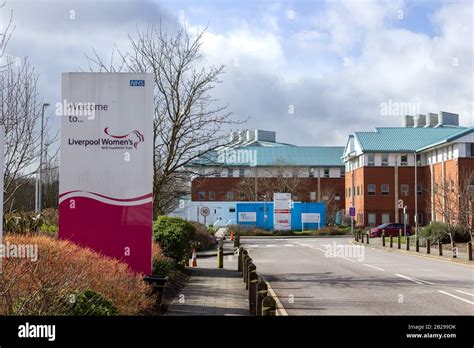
(381,165)
(256,166)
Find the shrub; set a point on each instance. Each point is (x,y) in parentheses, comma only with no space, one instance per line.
(435,231)
(174,235)
(64,269)
(88,302)
(202,238)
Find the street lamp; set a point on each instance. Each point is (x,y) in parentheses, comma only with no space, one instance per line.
(39,193)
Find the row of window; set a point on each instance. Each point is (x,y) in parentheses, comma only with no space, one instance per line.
(311,173)
(230,196)
(385,218)
(384,190)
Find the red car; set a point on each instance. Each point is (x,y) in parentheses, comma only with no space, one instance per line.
(391,229)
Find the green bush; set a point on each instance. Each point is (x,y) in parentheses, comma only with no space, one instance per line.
(201,239)
(89,302)
(164,267)
(439,231)
(174,236)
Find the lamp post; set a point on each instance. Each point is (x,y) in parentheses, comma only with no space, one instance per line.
(39,192)
(416,197)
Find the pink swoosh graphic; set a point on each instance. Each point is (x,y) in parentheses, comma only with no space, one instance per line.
(111,198)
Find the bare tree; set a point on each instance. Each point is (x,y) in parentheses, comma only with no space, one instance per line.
(187,120)
(20,113)
(5,33)
(454,201)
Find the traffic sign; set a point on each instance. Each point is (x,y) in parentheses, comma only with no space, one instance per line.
(204,211)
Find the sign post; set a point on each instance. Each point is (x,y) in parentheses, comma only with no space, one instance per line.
(106,169)
(352,212)
(282,211)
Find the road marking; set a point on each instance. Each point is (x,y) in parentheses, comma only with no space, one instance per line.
(253,246)
(465,293)
(345,258)
(271,245)
(408,278)
(457,297)
(289,245)
(380,269)
(305,244)
(424,281)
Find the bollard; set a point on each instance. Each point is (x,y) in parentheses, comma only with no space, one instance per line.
(440,247)
(237,240)
(469,251)
(239,260)
(268,306)
(408,242)
(362,238)
(399,238)
(251,268)
(220,257)
(383,238)
(246,270)
(428,246)
(455,251)
(391,241)
(417,245)
(262,291)
(253,284)
(356,236)
(367,237)
(244,267)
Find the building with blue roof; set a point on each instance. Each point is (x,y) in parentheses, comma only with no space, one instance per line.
(409,174)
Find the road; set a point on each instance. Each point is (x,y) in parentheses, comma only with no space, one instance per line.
(329,276)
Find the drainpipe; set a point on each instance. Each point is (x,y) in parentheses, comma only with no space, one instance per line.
(319,184)
(395,191)
(416,197)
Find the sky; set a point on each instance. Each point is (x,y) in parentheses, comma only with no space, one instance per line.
(313,71)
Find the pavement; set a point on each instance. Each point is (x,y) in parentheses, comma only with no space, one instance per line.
(333,277)
(462,256)
(212,291)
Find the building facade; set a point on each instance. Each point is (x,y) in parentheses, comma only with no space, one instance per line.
(425,167)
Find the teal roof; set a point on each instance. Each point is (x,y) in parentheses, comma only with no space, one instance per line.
(317,156)
(401,139)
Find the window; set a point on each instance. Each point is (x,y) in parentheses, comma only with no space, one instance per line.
(326,172)
(385,218)
(371,189)
(241,172)
(419,190)
(435,188)
(472,149)
(385,159)
(242,196)
(338,196)
(230,172)
(202,195)
(311,172)
(217,173)
(371,159)
(372,219)
(312,196)
(420,219)
(418,160)
(212,195)
(404,189)
(385,188)
(343,172)
(230,196)
(404,160)
(452,185)
(231,210)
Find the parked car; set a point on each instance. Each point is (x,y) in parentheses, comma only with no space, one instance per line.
(391,229)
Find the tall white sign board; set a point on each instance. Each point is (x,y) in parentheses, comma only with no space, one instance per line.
(106,168)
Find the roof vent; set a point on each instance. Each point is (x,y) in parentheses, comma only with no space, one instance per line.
(408,121)
(448,119)
(420,121)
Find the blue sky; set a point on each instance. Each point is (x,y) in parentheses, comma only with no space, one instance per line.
(336,63)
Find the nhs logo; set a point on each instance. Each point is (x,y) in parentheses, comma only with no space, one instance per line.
(137,83)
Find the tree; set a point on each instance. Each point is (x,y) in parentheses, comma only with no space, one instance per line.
(187,120)
(20,113)
(5,33)
(454,202)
